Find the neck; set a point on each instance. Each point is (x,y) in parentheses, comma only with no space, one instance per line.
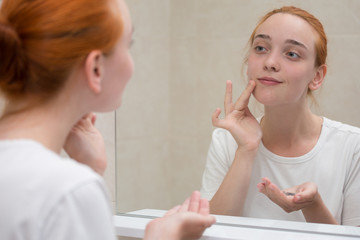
(290,131)
(48,122)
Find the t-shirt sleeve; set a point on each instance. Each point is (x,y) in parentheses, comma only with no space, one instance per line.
(84,213)
(217,164)
(351,208)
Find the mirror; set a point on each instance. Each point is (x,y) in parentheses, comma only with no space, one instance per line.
(184,52)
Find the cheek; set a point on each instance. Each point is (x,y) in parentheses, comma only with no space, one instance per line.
(131,66)
(300,76)
(251,68)
(128,67)
(124,69)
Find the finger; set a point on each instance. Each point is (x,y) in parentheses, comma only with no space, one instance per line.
(306,193)
(228,97)
(204,208)
(261,187)
(210,220)
(93,118)
(266,181)
(185,206)
(215,118)
(86,119)
(86,116)
(298,199)
(85,122)
(303,198)
(243,100)
(271,190)
(194,202)
(172,210)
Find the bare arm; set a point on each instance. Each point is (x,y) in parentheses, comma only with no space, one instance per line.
(231,195)
(317,212)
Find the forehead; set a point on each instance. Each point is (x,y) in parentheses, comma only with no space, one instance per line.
(284,26)
(125,15)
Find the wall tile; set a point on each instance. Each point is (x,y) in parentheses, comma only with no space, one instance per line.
(105,122)
(141,174)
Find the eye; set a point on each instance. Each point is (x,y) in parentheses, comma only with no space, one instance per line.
(293,55)
(259,49)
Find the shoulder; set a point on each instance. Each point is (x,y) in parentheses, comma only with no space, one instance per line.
(222,148)
(223,135)
(54,188)
(339,131)
(82,213)
(50,173)
(38,171)
(77,199)
(342,135)
(340,127)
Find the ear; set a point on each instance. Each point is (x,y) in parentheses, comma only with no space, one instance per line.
(319,78)
(94,70)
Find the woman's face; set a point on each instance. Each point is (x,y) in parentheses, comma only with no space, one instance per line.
(119,65)
(282,60)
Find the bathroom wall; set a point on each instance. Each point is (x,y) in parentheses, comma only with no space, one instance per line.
(143,120)
(184,52)
(106,124)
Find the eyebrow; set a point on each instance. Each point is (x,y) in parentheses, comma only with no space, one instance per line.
(263,36)
(289,41)
(294,42)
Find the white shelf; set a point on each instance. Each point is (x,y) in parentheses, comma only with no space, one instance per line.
(132,224)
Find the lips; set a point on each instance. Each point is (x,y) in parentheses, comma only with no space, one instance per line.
(269,81)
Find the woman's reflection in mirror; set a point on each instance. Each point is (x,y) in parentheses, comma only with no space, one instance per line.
(289,164)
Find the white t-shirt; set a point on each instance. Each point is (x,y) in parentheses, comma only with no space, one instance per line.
(46,196)
(333,164)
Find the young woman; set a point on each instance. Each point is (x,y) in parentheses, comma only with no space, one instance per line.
(61,60)
(289,159)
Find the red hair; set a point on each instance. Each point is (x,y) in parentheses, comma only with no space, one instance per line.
(321,42)
(42,40)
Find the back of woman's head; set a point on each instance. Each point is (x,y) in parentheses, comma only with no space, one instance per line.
(41,41)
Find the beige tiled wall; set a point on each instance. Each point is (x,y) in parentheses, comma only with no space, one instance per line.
(142,125)
(184,52)
(105,122)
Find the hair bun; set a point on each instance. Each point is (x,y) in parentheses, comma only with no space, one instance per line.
(13,61)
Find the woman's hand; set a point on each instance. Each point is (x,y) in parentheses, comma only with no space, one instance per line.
(238,119)
(86,145)
(186,221)
(291,199)
(304,197)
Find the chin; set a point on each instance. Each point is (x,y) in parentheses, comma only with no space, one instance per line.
(264,98)
(113,106)
(118,105)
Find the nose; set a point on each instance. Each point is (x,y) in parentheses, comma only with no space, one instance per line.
(271,63)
